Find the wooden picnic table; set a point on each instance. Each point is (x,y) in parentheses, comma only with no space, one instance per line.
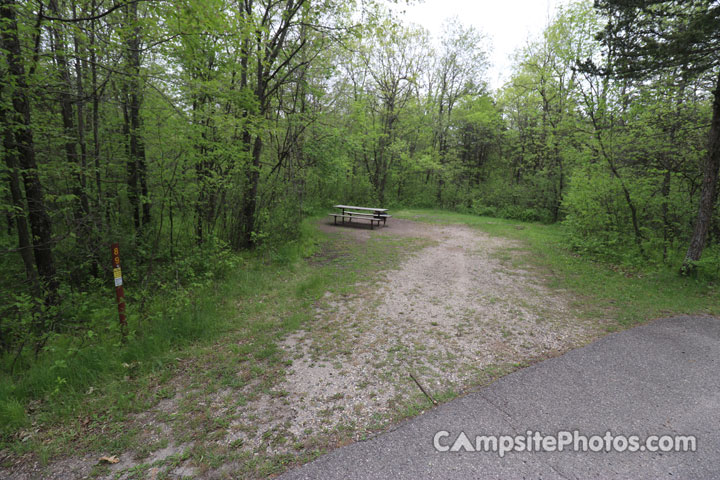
(352,212)
(377,211)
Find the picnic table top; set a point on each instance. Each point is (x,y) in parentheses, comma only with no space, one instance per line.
(345,207)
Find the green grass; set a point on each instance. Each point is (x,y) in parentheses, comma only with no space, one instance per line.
(627,296)
(224,333)
(219,334)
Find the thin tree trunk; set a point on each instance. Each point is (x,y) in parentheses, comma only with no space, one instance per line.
(132,176)
(626,192)
(250,200)
(137,167)
(665,190)
(80,209)
(95,113)
(708,190)
(80,120)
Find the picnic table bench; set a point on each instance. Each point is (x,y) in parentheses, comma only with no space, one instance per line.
(351,213)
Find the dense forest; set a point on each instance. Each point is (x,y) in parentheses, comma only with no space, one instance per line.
(191,130)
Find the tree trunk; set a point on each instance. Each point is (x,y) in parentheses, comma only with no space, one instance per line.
(250,197)
(40,225)
(19,215)
(132,180)
(81,208)
(665,190)
(95,115)
(137,166)
(616,173)
(81,123)
(707,192)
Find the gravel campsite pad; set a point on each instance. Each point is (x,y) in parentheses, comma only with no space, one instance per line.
(455,313)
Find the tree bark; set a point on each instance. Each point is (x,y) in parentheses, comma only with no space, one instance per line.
(132,181)
(81,208)
(95,114)
(80,111)
(708,189)
(19,214)
(40,224)
(667,178)
(137,166)
(250,198)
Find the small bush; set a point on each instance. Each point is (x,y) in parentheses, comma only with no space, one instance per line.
(484,210)
(12,415)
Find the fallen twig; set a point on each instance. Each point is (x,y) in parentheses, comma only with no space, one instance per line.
(422,389)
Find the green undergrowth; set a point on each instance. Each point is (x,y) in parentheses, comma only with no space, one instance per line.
(220,333)
(627,296)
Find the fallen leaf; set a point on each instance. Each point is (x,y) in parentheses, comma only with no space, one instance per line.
(112,459)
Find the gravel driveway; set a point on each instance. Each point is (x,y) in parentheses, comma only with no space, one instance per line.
(453,315)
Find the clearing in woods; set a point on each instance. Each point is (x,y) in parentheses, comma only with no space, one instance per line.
(452,314)
(458,309)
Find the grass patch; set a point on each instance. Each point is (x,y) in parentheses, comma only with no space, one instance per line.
(216,335)
(216,346)
(602,290)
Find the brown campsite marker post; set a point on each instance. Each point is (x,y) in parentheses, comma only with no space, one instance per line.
(119,292)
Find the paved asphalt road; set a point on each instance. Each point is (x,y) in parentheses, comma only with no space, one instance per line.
(658,379)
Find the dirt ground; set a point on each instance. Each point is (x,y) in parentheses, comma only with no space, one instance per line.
(454,314)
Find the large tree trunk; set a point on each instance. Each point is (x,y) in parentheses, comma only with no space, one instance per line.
(19,215)
(40,224)
(709,187)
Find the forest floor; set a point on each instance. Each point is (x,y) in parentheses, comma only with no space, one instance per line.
(442,302)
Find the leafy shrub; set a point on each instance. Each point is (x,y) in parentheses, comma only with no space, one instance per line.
(483,210)
(597,217)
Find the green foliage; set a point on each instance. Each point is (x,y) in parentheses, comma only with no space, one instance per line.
(178,308)
(12,413)
(597,218)
(230,127)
